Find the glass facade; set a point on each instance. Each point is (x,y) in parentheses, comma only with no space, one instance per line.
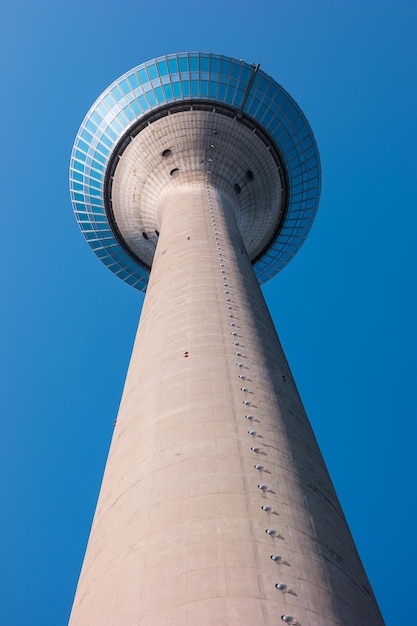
(178,78)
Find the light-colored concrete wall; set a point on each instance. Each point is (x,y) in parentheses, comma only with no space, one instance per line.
(179,535)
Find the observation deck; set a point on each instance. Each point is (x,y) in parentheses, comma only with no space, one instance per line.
(187,117)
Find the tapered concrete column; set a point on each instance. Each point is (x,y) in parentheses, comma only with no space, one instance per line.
(213,468)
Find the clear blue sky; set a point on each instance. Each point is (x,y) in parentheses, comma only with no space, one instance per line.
(345,307)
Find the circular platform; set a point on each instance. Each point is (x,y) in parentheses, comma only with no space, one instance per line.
(271,166)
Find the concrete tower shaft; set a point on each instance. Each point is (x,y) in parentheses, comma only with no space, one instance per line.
(213,468)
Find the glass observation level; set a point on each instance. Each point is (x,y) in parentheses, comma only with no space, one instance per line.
(167,84)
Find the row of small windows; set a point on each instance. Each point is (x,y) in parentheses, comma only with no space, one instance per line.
(195,63)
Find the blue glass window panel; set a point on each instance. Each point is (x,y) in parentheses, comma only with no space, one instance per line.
(85,135)
(293,114)
(94,192)
(291,131)
(252,106)
(285,139)
(213,90)
(215,65)
(151,98)
(97,166)
(173,66)
(117,95)
(94,183)
(195,76)
(298,123)
(194,87)
(233,82)
(275,128)
(303,133)
(186,88)
(203,88)
(152,71)
(230,94)
(124,87)
(204,63)
(96,117)
(225,67)
(83,146)
(156,83)
(183,64)
(311,161)
(295,198)
(159,95)
(286,106)
(235,70)
(266,86)
(163,68)
(313,184)
(78,166)
(106,141)
(245,75)
(296,188)
(119,122)
(177,89)
(127,111)
(310,193)
(143,102)
(136,108)
(194,63)
(89,188)
(268,117)
(86,226)
(102,109)
(278,97)
(79,155)
(143,76)
(103,226)
(100,157)
(78,197)
(300,156)
(77,186)
(221,92)
(261,110)
(167,91)
(109,101)
(133,80)
(77,176)
(224,79)
(238,98)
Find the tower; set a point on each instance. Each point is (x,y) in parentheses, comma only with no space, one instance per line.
(216,507)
